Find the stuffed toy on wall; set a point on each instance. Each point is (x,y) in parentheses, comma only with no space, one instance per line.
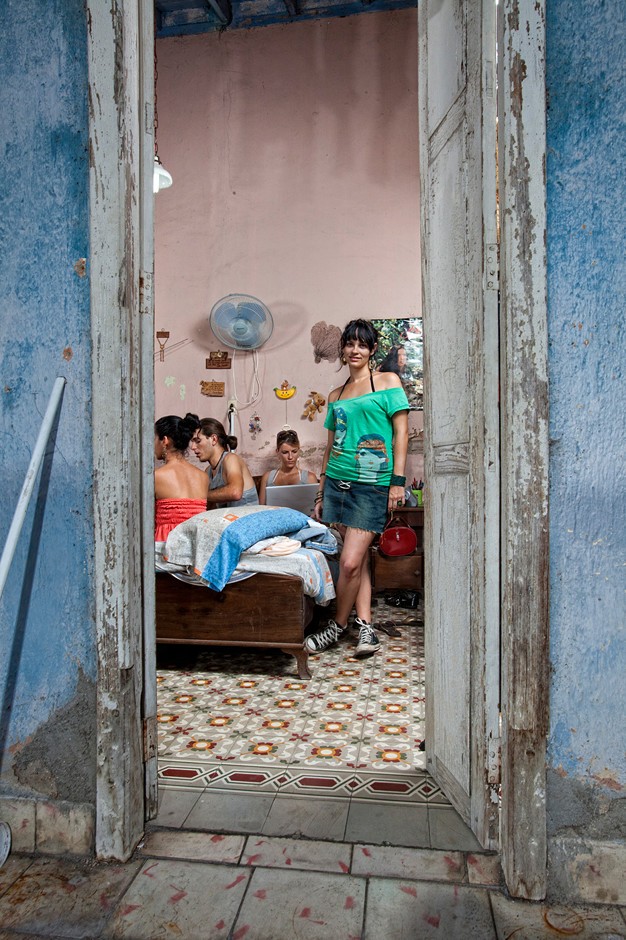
(312,405)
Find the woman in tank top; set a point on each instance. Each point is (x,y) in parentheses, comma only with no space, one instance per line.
(288,474)
(362,477)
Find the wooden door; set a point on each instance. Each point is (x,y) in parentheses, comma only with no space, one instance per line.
(460,291)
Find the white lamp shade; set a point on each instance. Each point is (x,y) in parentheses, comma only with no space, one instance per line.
(161,179)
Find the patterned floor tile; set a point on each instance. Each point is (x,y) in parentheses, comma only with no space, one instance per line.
(240,719)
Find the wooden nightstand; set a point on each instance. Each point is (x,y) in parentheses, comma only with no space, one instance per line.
(405,571)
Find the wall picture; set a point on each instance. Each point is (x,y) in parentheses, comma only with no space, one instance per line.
(401,350)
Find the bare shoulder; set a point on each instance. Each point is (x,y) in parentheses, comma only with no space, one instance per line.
(334,393)
(387,380)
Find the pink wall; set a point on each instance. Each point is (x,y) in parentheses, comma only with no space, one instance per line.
(294,156)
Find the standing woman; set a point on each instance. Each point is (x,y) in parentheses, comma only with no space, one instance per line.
(362,477)
(180,489)
(288,474)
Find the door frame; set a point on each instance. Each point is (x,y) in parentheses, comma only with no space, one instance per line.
(524,445)
(121,63)
(121,286)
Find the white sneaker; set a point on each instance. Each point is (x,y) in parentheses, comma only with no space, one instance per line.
(368,641)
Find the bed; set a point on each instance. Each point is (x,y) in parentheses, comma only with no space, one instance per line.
(221,582)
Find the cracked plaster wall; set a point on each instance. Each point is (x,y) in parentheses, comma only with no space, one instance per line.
(47,636)
(586,173)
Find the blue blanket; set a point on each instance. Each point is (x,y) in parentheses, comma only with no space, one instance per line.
(244,532)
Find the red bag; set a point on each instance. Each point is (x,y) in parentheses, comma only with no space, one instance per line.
(397,538)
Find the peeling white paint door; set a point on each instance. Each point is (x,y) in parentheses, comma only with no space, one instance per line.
(459,271)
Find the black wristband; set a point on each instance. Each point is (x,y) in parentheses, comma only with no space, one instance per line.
(397,480)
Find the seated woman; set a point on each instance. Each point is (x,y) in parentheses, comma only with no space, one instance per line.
(180,489)
(288,450)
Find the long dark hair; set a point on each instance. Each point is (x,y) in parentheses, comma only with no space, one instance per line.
(390,362)
(179,430)
(362,330)
(211,426)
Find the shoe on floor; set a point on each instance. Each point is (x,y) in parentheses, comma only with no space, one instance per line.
(368,641)
(324,639)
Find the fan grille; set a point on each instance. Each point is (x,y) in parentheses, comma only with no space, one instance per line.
(241,321)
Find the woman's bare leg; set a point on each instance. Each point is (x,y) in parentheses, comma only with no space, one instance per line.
(363,602)
(353,574)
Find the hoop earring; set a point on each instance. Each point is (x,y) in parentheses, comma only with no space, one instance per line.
(164,454)
(371,363)
(344,360)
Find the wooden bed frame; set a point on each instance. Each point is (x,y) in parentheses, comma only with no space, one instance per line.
(266,611)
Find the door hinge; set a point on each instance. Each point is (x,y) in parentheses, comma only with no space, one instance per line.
(145,292)
(492,268)
(149,738)
(494,761)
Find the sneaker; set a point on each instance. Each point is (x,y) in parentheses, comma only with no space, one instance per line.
(368,641)
(324,639)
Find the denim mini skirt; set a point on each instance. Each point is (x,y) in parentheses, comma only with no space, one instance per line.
(356,505)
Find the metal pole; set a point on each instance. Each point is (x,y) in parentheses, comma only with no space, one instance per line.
(29,482)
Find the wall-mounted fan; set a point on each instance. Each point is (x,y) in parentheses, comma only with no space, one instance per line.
(241,321)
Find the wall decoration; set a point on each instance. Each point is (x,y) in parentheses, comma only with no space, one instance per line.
(313,405)
(325,339)
(219,359)
(254,425)
(212,389)
(285,391)
(162,338)
(401,350)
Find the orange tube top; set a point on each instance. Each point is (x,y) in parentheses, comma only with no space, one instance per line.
(170,512)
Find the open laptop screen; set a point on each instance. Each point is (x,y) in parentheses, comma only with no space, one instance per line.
(300,496)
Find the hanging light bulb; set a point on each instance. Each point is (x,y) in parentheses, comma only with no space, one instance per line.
(161,179)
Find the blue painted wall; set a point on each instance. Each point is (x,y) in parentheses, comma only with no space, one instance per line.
(47,634)
(586,192)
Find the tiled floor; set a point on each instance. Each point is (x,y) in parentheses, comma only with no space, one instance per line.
(247,746)
(199,885)
(286,844)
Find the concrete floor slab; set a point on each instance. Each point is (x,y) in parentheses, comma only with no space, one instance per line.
(194,846)
(414,864)
(484,869)
(184,900)
(11,870)
(175,806)
(297,854)
(283,905)
(531,921)
(412,910)
(230,812)
(307,817)
(388,823)
(58,898)
(448,831)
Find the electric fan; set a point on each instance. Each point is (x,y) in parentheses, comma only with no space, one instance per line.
(241,321)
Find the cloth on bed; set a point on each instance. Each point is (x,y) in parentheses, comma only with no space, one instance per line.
(214,544)
(168,513)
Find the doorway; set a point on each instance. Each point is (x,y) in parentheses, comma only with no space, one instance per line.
(281,179)
(522,301)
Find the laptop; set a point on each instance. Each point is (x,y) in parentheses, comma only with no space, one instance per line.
(300,496)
